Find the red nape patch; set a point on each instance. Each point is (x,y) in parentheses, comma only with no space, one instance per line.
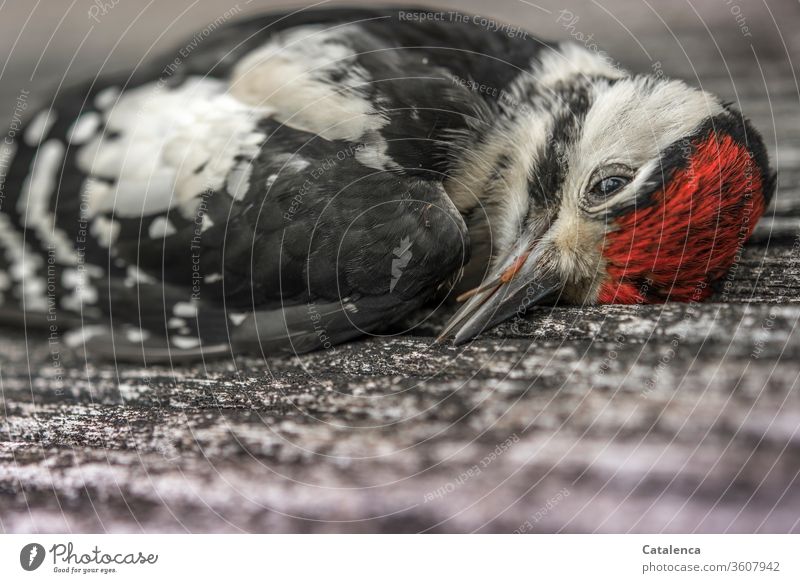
(689,237)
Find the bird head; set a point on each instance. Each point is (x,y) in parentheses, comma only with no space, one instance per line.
(611,189)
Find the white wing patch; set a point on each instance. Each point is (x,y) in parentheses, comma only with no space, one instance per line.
(40,183)
(25,267)
(84,127)
(292,74)
(238,182)
(33,205)
(185,342)
(105,230)
(160,228)
(185,310)
(207,223)
(374,154)
(137,335)
(163,147)
(83,293)
(136,276)
(296,164)
(236,318)
(39,127)
(97,197)
(106,98)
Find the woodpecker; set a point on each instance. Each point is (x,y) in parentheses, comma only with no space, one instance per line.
(291,181)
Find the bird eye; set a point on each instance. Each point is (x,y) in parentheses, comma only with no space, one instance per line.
(606,182)
(608,186)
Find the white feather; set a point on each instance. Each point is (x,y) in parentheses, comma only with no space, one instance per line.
(289,73)
(172,145)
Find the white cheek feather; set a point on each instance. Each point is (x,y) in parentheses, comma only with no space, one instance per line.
(171,146)
(633,121)
(630,122)
(576,241)
(291,74)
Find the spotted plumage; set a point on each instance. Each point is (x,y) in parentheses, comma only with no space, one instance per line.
(301,179)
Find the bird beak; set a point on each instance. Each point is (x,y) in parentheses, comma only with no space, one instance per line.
(519,282)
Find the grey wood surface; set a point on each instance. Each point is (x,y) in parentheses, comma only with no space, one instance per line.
(670,418)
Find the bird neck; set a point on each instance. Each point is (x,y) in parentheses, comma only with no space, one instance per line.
(488,180)
(488,183)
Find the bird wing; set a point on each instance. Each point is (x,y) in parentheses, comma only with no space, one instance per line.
(283,199)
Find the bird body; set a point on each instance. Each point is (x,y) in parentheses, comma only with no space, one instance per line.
(300,179)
